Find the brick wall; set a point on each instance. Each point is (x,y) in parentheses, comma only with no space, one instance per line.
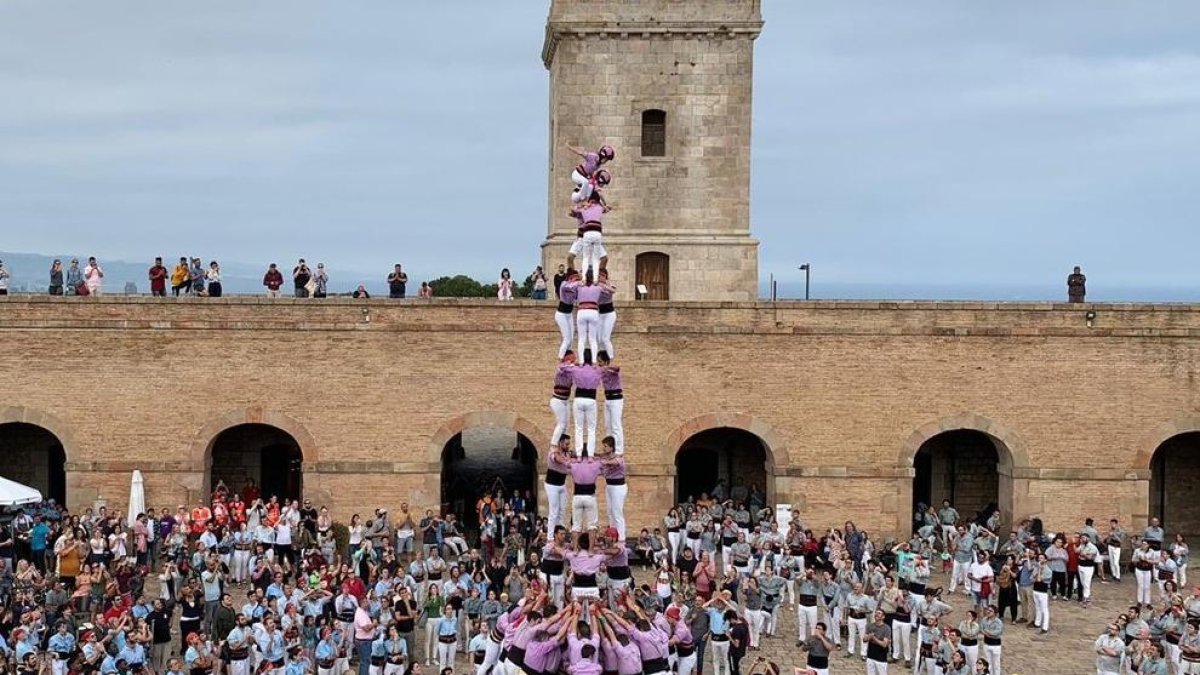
(842,394)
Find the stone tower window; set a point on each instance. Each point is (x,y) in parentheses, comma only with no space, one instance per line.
(654,133)
(653,270)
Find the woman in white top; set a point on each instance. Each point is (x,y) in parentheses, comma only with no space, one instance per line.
(356,534)
(505,285)
(213,277)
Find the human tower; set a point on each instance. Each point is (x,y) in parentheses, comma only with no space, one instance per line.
(586,312)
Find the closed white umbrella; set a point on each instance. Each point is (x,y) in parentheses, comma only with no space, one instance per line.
(13,493)
(137,497)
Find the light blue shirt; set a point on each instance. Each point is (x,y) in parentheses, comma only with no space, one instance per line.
(716,621)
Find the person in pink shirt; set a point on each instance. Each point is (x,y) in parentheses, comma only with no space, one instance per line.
(587,174)
(585,471)
(555,484)
(590,244)
(563,314)
(608,315)
(617,641)
(583,634)
(585,563)
(587,380)
(543,647)
(587,317)
(682,641)
(561,395)
(614,402)
(652,642)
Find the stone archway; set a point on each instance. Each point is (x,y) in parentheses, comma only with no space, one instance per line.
(46,440)
(32,455)
(968,459)
(1175,484)
(483,451)
(769,445)
(289,429)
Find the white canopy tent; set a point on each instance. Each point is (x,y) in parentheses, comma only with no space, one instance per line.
(13,493)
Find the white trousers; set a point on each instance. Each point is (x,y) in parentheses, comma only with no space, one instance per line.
(901,639)
(584,514)
(490,658)
(992,654)
(562,413)
(673,541)
(833,619)
(445,654)
(583,187)
(566,328)
(958,575)
(686,664)
(558,588)
(1041,610)
(607,323)
(1114,561)
(615,501)
(720,657)
(241,565)
(877,667)
(58,666)
(1182,576)
(1085,580)
(613,425)
(1144,578)
(755,618)
(590,249)
(556,507)
(585,425)
(858,632)
(807,619)
(972,653)
(587,323)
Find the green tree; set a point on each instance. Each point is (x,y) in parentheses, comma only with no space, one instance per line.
(461,286)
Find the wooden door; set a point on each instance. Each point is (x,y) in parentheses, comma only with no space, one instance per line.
(654,272)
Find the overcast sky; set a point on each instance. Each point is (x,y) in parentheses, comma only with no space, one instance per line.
(915,142)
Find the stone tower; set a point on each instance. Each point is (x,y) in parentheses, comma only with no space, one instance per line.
(668,84)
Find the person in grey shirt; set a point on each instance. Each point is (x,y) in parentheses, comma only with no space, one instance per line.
(1114,542)
(697,619)
(819,647)
(1089,530)
(1056,556)
(1154,534)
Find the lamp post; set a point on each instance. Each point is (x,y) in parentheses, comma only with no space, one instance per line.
(807,268)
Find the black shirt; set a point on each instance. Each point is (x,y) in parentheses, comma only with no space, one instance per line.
(739,636)
(558,282)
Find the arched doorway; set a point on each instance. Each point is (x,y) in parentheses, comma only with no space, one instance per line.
(970,468)
(259,454)
(34,456)
(484,460)
(734,458)
(1175,484)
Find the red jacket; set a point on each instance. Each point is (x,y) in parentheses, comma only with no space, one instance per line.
(273,279)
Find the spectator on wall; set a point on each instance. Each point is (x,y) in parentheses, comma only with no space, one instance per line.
(93,276)
(56,277)
(301,275)
(397,280)
(426,290)
(273,280)
(158,278)
(181,278)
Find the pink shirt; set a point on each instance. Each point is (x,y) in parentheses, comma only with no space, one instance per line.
(587,294)
(538,654)
(591,213)
(629,658)
(575,648)
(682,634)
(586,471)
(652,643)
(552,464)
(610,376)
(591,162)
(614,469)
(585,563)
(579,667)
(567,291)
(364,628)
(606,295)
(563,379)
(585,377)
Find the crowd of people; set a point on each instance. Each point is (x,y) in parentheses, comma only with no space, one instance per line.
(190,277)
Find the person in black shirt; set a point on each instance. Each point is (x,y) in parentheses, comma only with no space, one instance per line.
(559,277)
(396,283)
(739,640)
(308,517)
(301,275)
